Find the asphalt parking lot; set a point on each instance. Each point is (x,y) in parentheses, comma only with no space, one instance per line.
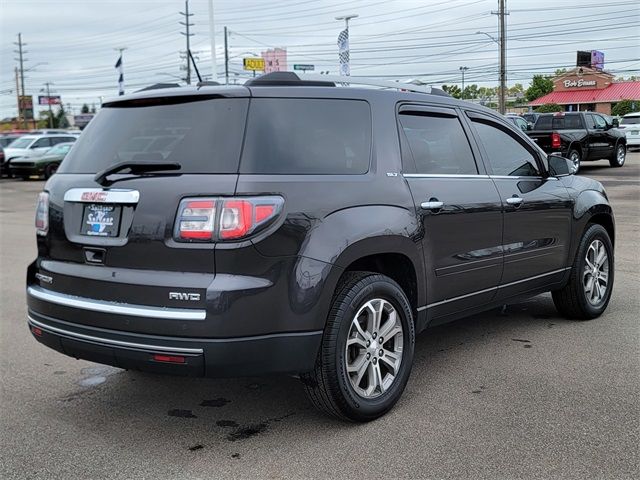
(518,393)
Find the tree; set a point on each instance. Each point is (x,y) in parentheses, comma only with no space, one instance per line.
(471,91)
(540,86)
(452,90)
(560,71)
(549,108)
(61,118)
(625,106)
(85,108)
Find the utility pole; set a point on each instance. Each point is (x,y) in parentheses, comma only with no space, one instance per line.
(463,69)
(21,60)
(47,87)
(226,58)
(212,38)
(343,45)
(186,24)
(18,96)
(503,52)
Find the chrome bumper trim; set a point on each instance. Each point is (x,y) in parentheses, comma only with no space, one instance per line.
(117,308)
(108,341)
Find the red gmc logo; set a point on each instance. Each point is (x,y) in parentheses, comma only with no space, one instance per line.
(94,196)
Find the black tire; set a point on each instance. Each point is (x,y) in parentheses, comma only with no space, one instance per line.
(571,301)
(328,386)
(576,157)
(24,177)
(619,156)
(49,170)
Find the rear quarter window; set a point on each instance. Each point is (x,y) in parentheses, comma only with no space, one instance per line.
(307,136)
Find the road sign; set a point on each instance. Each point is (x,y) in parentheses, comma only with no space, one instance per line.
(253,64)
(304,67)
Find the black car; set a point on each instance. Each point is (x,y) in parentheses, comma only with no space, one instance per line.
(581,136)
(305,228)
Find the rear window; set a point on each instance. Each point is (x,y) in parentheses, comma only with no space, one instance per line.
(630,120)
(307,136)
(564,122)
(204,136)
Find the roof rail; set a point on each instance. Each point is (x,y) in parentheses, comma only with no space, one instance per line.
(291,79)
(158,86)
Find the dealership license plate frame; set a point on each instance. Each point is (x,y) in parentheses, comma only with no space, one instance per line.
(106,220)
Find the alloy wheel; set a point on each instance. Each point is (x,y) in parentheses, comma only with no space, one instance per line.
(595,276)
(374,348)
(620,155)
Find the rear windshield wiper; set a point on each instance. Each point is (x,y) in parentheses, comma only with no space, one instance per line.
(135,168)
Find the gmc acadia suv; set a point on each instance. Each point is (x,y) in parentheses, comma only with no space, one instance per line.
(301,227)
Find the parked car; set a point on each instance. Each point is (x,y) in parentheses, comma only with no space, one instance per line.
(298,227)
(6,139)
(630,125)
(580,136)
(46,164)
(519,122)
(531,117)
(32,146)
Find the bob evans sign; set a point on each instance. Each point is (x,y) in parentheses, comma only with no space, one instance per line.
(581,82)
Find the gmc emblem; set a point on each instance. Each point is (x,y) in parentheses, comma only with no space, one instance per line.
(94,196)
(184,296)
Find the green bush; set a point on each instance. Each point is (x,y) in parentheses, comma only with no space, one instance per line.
(625,106)
(549,108)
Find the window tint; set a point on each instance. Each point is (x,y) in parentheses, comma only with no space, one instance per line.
(203,136)
(591,123)
(600,122)
(559,122)
(506,155)
(438,144)
(43,142)
(307,136)
(543,123)
(630,120)
(57,140)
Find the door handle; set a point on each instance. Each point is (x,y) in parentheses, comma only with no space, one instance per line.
(432,204)
(515,201)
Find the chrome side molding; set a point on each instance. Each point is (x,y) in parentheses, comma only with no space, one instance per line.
(114,307)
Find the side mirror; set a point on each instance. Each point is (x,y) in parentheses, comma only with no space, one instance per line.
(560,166)
(529,126)
(615,122)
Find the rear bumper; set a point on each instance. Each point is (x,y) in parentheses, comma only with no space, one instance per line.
(288,353)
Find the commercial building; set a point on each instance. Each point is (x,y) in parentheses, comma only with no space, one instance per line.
(589,89)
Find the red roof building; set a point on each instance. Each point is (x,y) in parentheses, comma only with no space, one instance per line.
(584,89)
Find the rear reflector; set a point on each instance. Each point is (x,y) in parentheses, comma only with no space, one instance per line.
(36,331)
(168,358)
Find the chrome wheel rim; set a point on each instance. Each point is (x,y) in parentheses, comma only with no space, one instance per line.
(595,276)
(373,352)
(620,155)
(575,158)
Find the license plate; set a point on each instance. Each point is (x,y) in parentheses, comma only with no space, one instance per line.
(634,132)
(100,220)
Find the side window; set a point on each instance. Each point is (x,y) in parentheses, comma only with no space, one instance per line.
(41,143)
(591,123)
(506,155)
(600,122)
(438,144)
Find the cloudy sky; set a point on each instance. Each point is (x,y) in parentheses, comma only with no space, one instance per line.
(72,43)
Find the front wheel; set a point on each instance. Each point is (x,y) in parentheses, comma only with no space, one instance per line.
(588,291)
(619,155)
(367,350)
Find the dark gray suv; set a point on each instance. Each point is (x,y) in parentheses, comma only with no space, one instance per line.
(300,227)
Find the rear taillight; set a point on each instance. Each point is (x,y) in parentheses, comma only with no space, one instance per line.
(42,214)
(225,219)
(555,140)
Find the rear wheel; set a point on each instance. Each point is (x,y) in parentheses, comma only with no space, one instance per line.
(50,169)
(619,156)
(367,350)
(588,291)
(576,158)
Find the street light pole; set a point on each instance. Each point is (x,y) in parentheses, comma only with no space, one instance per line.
(48,85)
(463,69)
